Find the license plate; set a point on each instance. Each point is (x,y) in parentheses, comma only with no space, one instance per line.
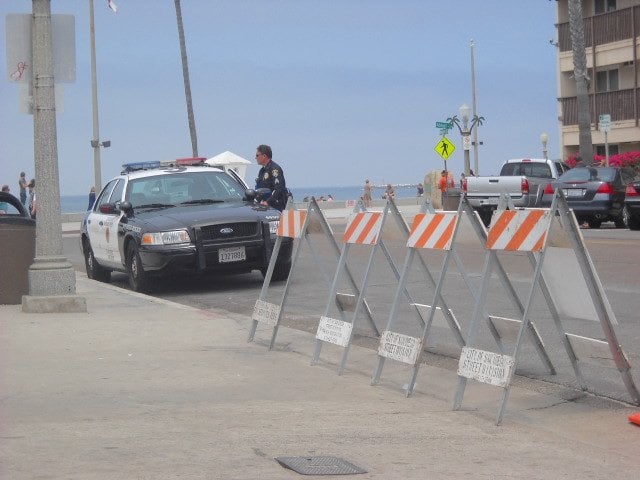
(490,201)
(232,254)
(573,192)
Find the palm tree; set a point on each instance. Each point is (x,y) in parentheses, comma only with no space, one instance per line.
(576,26)
(187,85)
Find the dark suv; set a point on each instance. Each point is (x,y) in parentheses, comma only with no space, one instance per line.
(155,219)
(595,194)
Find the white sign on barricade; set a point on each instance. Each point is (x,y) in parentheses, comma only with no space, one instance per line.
(334,331)
(266,312)
(293,224)
(486,367)
(399,347)
(528,230)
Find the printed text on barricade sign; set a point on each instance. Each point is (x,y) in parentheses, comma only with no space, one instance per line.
(397,346)
(334,331)
(486,367)
(265,312)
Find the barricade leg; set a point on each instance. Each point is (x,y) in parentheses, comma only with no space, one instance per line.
(332,294)
(477,313)
(265,284)
(523,328)
(437,295)
(296,254)
(375,378)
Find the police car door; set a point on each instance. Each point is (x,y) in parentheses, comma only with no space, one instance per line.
(103,224)
(95,222)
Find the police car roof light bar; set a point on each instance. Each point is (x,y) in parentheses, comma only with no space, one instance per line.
(193,161)
(133,166)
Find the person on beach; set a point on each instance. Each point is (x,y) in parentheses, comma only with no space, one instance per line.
(92,198)
(32,195)
(389,192)
(33,201)
(22,183)
(366,196)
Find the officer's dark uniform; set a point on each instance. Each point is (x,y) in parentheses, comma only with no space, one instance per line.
(271,177)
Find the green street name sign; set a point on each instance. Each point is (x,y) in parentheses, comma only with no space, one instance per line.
(444,125)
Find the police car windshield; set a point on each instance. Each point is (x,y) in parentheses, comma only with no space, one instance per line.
(184,188)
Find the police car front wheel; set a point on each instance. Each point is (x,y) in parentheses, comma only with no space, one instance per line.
(138,279)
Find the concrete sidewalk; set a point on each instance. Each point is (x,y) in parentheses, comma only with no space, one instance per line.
(140,388)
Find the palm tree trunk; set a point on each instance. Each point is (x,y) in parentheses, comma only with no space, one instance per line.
(187,84)
(576,26)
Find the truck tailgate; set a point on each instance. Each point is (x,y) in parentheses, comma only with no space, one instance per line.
(494,186)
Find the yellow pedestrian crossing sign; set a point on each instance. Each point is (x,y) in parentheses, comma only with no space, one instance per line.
(444,148)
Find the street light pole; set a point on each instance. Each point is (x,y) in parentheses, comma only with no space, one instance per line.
(466,138)
(465,131)
(544,138)
(95,143)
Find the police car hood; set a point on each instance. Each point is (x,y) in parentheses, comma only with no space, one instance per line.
(197,215)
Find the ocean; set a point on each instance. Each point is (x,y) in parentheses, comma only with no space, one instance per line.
(79,203)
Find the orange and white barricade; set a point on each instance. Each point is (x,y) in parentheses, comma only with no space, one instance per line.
(434,231)
(528,230)
(293,223)
(364,229)
(430,230)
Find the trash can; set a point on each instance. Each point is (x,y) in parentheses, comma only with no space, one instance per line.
(18,240)
(451,199)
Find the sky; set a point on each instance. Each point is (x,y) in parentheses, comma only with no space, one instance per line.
(342,90)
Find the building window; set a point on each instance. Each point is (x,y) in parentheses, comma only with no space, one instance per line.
(603,6)
(601,151)
(607,80)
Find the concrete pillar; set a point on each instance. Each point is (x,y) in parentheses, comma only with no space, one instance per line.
(52,280)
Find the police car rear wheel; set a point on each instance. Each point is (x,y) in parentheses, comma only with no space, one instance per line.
(138,278)
(94,270)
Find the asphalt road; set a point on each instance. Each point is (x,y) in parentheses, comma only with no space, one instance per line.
(615,254)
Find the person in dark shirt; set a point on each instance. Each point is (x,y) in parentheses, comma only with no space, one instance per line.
(271,177)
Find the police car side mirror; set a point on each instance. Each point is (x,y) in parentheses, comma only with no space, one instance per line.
(126,207)
(262,194)
(249,194)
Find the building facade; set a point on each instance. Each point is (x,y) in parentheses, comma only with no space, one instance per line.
(612,39)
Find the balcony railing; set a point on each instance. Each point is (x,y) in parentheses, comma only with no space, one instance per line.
(606,28)
(620,104)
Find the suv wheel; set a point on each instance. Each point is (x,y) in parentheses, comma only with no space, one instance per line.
(633,223)
(619,222)
(94,270)
(138,278)
(593,223)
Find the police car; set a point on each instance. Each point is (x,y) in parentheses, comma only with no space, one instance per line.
(181,217)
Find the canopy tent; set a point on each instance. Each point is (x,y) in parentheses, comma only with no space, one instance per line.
(230,161)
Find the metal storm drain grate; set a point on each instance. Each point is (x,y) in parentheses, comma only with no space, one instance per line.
(319,465)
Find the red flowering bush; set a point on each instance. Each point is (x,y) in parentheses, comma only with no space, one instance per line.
(627,159)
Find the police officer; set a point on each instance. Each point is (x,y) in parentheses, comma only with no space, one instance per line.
(271,177)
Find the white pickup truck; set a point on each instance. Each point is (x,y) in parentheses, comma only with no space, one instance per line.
(523,179)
